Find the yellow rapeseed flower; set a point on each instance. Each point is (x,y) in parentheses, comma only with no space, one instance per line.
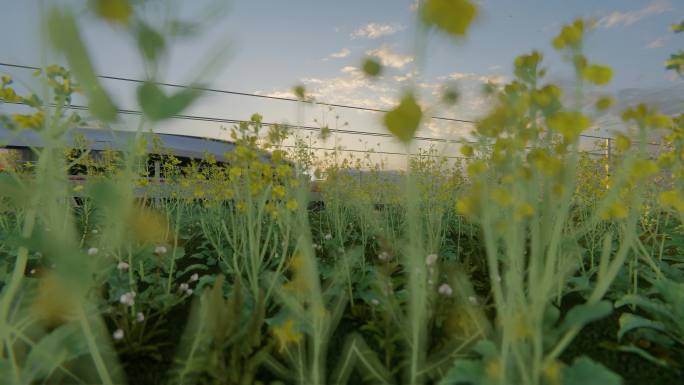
(286,334)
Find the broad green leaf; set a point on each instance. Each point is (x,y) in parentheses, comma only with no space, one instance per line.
(643,353)
(465,371)
(157,106)
(584,371)
(57,348)
(150,42)
(653,307)
(403,120)
(630,321)
(451,16)
(67,40)
(581,315)
(372,67)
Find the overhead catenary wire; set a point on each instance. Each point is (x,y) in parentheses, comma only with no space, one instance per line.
(309,128)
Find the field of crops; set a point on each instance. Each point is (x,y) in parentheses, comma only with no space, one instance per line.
(526,261)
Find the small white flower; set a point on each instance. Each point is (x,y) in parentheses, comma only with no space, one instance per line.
(473,299)
(183,286)
(92,251)
(127,299)
(375,302)
(431,259)
(33,271)
(188,292)
(383,256)
(327,236)
(140,317)
(122,266)
(159,250)
(194,277)
(94,231)
(118,334)
(445,289)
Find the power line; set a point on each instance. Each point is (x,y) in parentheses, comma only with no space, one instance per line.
(216,90)
(309,128)
(267,124)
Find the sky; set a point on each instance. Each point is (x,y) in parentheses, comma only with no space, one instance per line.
(272,45)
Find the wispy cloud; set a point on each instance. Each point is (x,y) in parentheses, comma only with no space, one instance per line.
(627,18)
(376,30)
(389,58)
(657,43)
(496,78)
(344,52)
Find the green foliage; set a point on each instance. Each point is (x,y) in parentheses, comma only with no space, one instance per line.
(158,106)
(451,16)
(403,120)
(371,67)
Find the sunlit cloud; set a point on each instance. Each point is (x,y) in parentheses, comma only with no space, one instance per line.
(628,18)
(344,52)
(495,79)
(389,58)
(376,30)
(657,43)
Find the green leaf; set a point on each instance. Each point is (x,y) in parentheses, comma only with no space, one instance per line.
(676,62)
(299,91)
(630,321)
(465,371)
(372,67)
(157,106)
(584,371)
(150,42)
(117,11)
(57,348)
(677,28)
(66,38)
(403,120)
(581,315)
(451,16)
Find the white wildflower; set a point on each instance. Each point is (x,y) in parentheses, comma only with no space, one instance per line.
(122,266)
(445,289)
(159,250)
(127,299)
(140,317)
(194,277)
(188,292)
(431,259)
(472,299)
(183,286)
(375,302)
(383,256)
(94,231)
(327,236)
(92,251)
(118,334)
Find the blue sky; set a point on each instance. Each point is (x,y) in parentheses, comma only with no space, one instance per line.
(275,44)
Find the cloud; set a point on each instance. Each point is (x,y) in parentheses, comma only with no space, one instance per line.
(389,58)
(471,76)
(657,43)
(344,52)
(618,18)
(376,30)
